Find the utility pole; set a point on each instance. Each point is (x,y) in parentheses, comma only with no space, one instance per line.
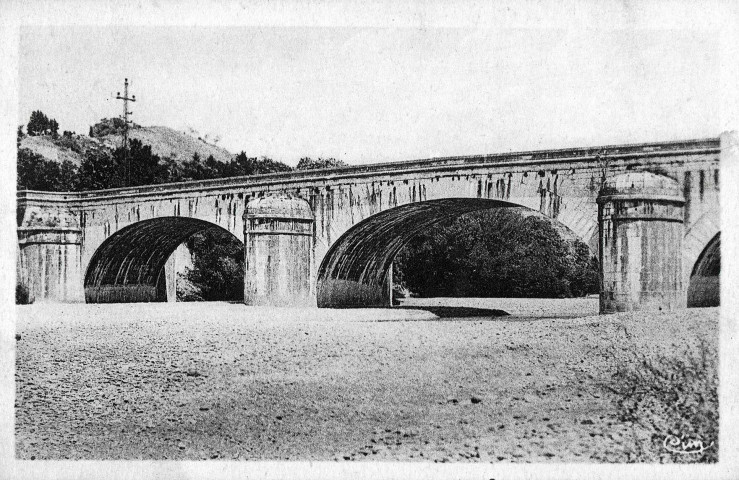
(126,122)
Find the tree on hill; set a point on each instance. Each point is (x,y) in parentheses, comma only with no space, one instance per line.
(109,126)
(169,170)
(40,124)
(37,173)
(68,180)
(99,171)
(194,169)
(134,166)
(143,165)
(307,163)
(242,165)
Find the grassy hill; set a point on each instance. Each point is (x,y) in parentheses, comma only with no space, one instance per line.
(164,141)
(61,149)
(167,142)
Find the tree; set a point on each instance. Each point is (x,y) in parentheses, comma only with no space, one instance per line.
(143,165)
(242,165)
(584,278)
(496,253)
(100,170)
(68,180)
(34,173)
(40,124)
(214,167)
(37,123)
(53,128)
(37,173)
(109,126)
(218,266)
(134,166)
(307,163)
(194,169)
(169,171)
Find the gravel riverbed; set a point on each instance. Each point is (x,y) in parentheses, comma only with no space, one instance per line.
(225,381)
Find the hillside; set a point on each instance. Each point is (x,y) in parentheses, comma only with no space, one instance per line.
(56,150)
(167,142)
(164,142)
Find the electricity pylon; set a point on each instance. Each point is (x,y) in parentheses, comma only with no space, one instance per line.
(126,123)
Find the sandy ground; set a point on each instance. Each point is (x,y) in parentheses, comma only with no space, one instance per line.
(222,381)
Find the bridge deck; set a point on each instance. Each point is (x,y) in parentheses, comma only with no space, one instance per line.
(567,155)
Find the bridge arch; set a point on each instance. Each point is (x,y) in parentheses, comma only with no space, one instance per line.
(704,289)
(129,265)
(355,270)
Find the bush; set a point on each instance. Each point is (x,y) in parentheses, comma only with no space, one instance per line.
(69,142)
(669,397)
(218,268)
(186,290)
(307,163)
(109,126)
(22,297)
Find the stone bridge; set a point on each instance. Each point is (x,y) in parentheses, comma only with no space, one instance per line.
(328,237)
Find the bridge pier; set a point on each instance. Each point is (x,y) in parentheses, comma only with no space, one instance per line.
(278,246)
(50,258)
(640,220)
(170,277)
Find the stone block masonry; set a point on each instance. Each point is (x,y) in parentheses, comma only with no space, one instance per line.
(327,237)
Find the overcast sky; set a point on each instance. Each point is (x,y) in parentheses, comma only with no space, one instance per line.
(370,95)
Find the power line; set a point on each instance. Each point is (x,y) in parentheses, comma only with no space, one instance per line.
(126,123)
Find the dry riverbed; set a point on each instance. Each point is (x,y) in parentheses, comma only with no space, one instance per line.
(225,381)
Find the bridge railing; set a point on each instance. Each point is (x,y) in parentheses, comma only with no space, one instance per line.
(567,154)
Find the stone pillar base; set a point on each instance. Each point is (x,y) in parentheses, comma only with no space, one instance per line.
(49,264)
(278,249)
(640,221)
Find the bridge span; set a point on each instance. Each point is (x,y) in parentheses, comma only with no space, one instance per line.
(328,237)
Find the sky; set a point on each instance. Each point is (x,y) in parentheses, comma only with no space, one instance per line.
(368,95)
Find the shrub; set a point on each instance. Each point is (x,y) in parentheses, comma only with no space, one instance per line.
(667,397)
(109,126)
(307,163)
(218,268)
(22,297)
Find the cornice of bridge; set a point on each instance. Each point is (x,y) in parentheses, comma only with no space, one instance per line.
(439,164)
